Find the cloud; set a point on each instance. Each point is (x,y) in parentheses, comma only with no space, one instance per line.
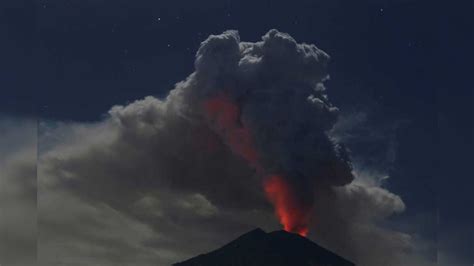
(18,191)
(150,185)
(158,176)
(348,222)
(74,232)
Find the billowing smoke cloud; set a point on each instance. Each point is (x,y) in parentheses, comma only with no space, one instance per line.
(274,118)
(248,129)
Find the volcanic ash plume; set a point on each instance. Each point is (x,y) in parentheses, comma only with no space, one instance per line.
(267,102)
(247,129)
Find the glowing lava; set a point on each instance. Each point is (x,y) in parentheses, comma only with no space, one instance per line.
(293,215)
(224,116)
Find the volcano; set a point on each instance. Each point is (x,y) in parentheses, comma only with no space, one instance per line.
(278,248)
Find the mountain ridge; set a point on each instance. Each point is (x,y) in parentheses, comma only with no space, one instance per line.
(277,248)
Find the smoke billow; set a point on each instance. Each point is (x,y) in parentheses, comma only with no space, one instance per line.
(248,128)
(267,102)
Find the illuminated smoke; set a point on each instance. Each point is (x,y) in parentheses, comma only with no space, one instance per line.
(267,102)
(224,116)
(293,215)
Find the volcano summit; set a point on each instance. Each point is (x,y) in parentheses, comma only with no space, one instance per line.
(278,248)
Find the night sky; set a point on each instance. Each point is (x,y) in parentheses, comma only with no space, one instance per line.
(399,72)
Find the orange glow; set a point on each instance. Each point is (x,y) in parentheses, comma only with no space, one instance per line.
(226,119)
(224,116)
(293,216)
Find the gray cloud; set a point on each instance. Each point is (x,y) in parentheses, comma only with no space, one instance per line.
(348,222)
(275,83)
(158,181)
(18,192)
(157,178)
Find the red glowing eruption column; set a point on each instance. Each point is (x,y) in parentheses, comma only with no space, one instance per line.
(225,119)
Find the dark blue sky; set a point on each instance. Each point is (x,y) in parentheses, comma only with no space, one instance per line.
(402,62)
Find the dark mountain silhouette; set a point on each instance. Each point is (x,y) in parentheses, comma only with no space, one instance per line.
(278,248)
